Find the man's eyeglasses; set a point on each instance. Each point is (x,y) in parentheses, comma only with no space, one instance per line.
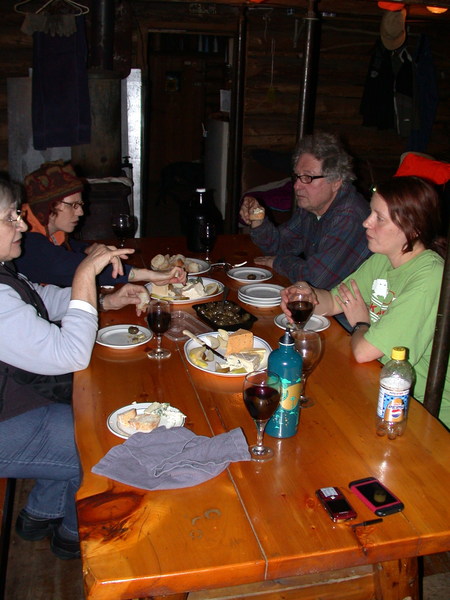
(305,178)
(74,205)
(20,215)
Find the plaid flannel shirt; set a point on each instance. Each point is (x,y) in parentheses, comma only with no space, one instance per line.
(322,251)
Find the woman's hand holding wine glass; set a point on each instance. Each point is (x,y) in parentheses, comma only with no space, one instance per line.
(301,305)
(261,397)
(158,318)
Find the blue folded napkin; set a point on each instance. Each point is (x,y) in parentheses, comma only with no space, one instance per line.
(173,458)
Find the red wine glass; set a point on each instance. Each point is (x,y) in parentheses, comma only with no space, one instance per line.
(261,397)
(123,227)
(158,319)
(301,306)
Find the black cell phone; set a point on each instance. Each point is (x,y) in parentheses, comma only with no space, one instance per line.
(376,496)
(336,504)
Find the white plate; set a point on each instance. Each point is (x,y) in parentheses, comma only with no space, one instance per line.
(256,304)
(203,264)
(256,274)
(111,421)
(257,343)
(261,292)
(117,336)
(206,281)
(315,322)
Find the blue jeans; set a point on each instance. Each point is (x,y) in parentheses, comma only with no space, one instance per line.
(40,445)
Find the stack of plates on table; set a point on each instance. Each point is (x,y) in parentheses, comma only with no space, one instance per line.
(262,295)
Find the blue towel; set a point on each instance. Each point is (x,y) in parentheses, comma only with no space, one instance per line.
(173,458)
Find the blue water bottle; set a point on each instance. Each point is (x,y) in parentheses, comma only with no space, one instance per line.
(286,362)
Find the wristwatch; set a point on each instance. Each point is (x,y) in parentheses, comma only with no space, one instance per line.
(359,324)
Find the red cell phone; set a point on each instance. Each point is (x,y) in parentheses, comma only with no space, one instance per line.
(336,504)
(376,496)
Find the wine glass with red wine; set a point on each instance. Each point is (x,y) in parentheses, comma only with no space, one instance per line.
(309,345)
(158,319)
(301,306)
(123,227)
(261,397)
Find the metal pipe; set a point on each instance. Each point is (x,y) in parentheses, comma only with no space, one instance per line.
(310,67)
(441,344)
(102,34)
(237,118)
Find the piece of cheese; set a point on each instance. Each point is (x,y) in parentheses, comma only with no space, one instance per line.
(160,290)
(239,341)
(249,361)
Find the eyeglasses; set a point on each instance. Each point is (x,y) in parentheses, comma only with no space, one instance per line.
(20,215)
(74,205)
(305,178)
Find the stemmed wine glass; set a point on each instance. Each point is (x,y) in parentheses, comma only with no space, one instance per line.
(309,345)
(301,306)
(261,398)
(207,235)
(158,319)
(123,227)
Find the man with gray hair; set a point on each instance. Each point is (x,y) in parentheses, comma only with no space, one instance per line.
(324,240)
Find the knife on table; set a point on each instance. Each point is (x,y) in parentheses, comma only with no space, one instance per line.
(202,343)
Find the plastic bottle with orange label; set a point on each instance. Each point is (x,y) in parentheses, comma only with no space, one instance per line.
(396,378)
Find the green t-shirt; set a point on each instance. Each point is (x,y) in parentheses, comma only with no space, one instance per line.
(403,305)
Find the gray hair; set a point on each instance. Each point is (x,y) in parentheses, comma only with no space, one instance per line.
(336,162)
(9,194)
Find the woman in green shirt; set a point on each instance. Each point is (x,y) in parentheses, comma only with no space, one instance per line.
(392,299)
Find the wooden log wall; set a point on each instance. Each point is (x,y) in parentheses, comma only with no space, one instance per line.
(275,47)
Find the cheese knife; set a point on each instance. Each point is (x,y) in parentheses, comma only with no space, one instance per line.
(202,343)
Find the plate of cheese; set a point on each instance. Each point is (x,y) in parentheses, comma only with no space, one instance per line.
(195,288)
(143,417)
(242,353)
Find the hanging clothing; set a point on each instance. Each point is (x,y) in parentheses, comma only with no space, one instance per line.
(60,95)
(400,92)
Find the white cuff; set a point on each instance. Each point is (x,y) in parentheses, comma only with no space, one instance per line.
(83,305)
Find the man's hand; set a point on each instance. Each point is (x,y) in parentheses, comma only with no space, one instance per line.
(266,261)
(252,213)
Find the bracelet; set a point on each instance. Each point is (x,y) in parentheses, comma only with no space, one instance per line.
(360,324)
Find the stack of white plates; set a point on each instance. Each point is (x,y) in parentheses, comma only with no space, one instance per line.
(263,295)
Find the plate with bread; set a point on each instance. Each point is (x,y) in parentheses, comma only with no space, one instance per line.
(235,353)
(165,262)
(143,417)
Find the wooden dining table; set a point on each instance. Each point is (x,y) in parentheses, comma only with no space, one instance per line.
(256,527)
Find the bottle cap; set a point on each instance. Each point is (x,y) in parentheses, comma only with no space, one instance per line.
(201,190)
(286,339)
(398,353)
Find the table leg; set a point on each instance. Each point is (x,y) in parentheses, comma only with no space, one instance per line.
(397,579)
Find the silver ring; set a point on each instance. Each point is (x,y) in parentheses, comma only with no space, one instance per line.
(345,301)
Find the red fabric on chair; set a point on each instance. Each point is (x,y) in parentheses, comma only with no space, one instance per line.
(421,166)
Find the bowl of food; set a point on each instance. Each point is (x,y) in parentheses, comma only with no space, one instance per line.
(229,316)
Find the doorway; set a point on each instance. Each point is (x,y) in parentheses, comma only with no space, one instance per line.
(189,84)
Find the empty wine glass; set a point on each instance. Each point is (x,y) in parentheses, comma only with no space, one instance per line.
(301,306)
(261,397)
(158,319)
(309,345)
(207,235)
(123,227)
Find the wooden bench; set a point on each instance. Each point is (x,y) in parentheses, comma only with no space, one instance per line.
(7,487)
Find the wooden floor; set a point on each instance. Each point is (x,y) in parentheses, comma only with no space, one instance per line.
(34,573)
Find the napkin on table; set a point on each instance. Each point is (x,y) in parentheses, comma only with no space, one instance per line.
(172,458)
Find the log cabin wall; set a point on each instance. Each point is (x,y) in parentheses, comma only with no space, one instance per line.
(275,48)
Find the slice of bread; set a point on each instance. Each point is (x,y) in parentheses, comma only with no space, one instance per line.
(239,341)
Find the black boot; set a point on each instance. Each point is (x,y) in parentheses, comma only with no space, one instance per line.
(32,528)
